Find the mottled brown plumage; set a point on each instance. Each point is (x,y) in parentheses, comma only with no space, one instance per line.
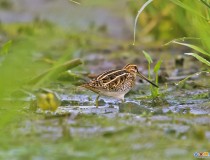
(115,83)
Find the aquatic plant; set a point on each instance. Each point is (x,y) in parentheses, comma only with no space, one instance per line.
(154,90)
(198,13)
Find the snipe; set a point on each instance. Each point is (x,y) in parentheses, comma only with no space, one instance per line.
(115,83)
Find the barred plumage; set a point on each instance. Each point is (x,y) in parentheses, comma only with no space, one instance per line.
(115,83)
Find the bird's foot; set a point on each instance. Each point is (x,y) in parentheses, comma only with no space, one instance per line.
(96,101)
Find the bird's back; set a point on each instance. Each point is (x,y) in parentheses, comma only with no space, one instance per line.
(112,81)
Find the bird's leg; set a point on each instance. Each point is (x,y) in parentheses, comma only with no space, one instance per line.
(122,100)
(96,102)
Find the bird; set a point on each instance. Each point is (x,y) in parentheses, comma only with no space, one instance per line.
(115,83)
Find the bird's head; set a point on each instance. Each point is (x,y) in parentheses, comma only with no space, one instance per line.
(133,69)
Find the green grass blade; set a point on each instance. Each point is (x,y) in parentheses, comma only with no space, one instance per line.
(185,6)
(181,39)
(205,3)
(157,66)
(5,47)
(201,59)
(193,47)
(148,57)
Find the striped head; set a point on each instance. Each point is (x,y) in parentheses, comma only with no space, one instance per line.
(131,68)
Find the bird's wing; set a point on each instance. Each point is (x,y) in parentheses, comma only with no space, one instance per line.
(110,80)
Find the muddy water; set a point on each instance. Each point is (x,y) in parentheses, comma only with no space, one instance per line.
(176,101)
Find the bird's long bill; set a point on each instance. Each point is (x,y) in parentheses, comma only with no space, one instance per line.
(145,78)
